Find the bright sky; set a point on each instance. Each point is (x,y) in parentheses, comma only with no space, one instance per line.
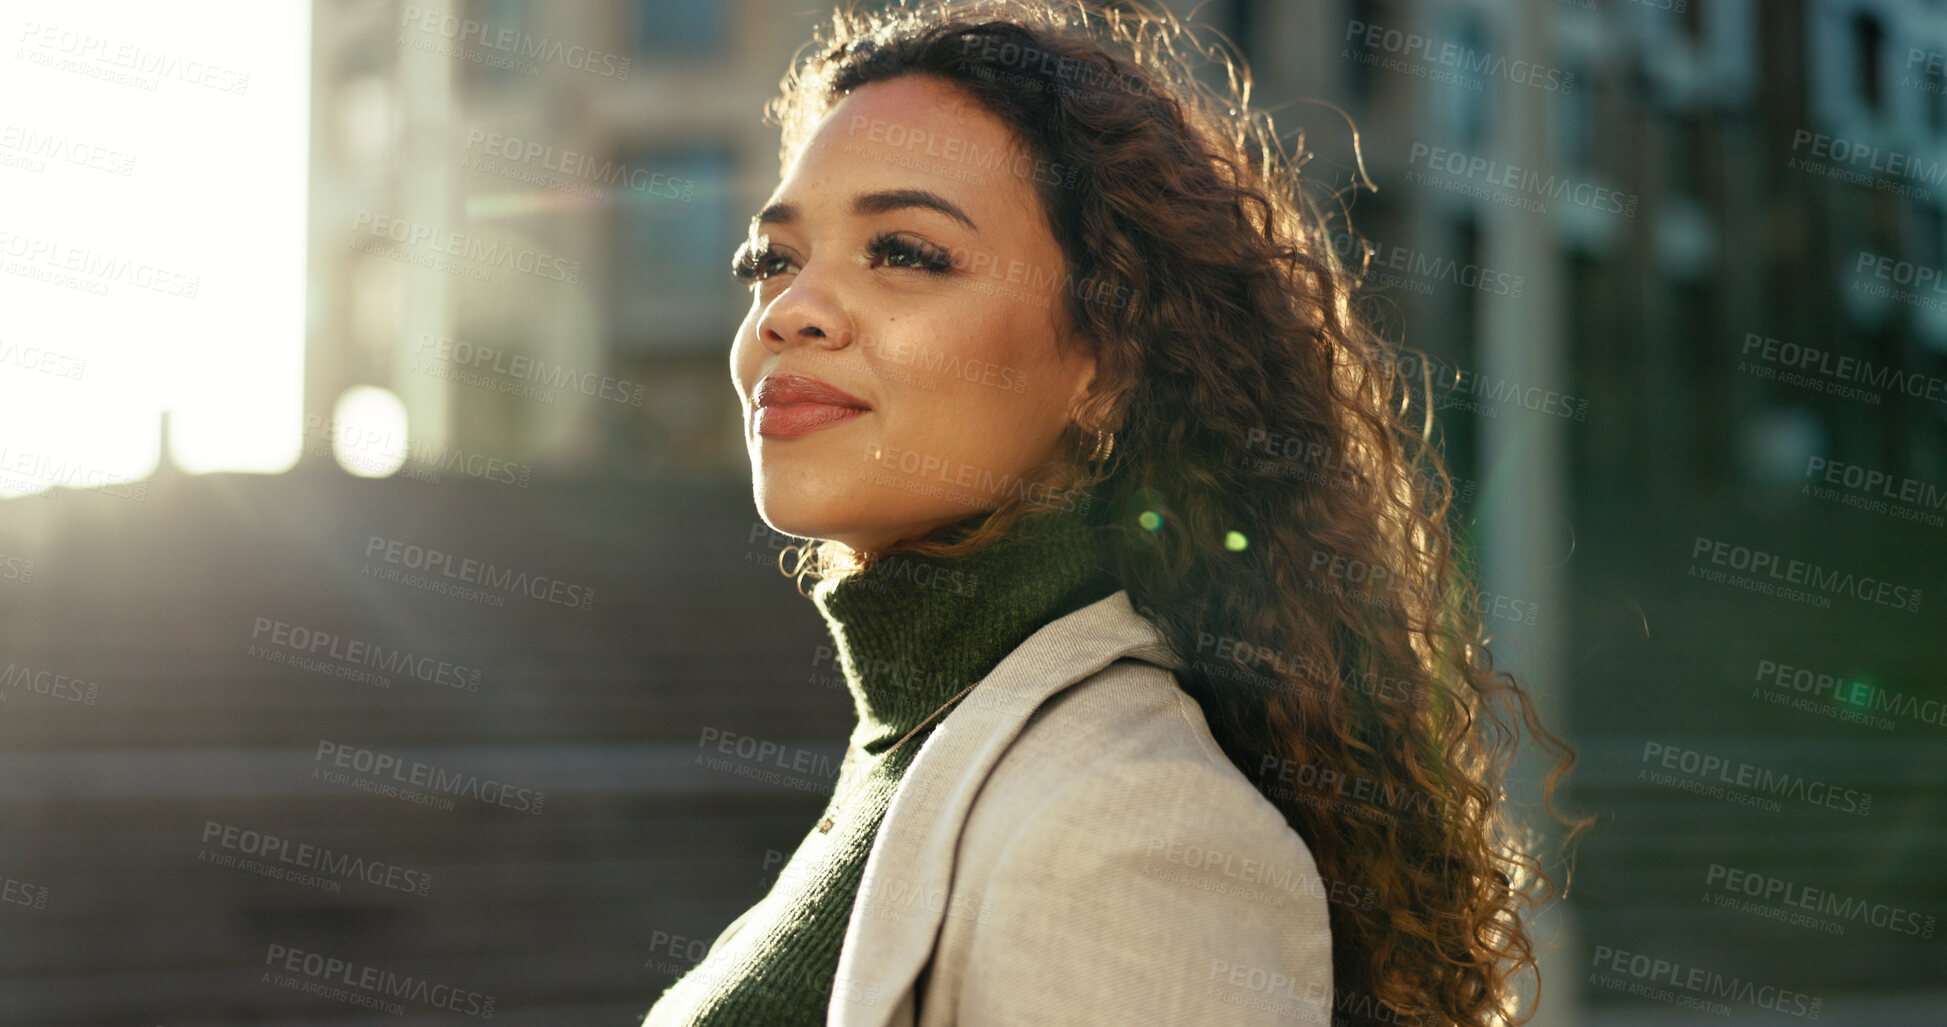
(152,237)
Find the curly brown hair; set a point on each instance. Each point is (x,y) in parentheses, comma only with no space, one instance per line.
(1244,329)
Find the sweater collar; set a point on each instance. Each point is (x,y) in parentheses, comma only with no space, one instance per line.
(911,631)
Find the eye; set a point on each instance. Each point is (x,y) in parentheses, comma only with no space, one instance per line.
(752,263)
(904,251)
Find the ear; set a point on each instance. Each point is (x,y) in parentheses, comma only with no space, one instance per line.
(1082,370)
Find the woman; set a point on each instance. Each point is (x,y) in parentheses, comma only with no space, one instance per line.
(1160,721)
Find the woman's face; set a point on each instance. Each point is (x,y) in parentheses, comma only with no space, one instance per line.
(909,266)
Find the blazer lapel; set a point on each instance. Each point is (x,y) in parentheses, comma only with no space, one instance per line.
(905,892)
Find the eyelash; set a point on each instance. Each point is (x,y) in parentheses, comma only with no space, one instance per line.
(747,264)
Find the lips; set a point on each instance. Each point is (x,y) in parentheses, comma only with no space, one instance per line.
(792,389)
(790,405)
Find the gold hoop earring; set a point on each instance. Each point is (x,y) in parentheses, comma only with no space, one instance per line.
(1104,445)
(796,573)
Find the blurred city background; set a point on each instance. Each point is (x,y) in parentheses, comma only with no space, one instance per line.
(1685,257)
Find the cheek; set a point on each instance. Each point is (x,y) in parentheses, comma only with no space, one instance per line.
(1008,384)
(968,422)
(1025,347)
(745,357)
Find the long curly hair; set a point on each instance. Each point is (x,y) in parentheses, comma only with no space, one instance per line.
(1274,499)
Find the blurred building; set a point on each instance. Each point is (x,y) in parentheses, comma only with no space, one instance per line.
(1665,257)
(594,164)
(624,174)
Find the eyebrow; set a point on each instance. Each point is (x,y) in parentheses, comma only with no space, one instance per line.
(866,204)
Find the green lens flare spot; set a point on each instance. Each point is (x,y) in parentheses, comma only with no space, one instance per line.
(1235,541)
(1150,519)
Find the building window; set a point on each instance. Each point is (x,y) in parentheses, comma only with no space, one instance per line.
(488,66)
(1933,88)
(678,28)
(1684,154)
(673,242)
(1574,119)
(1358,73)
(1867,37)
(1692,20)
(1463,105)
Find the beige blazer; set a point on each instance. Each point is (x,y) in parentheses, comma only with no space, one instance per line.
(1070,846)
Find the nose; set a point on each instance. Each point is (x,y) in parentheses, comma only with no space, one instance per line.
(805,313)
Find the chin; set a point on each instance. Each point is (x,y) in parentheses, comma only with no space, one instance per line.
(789,511)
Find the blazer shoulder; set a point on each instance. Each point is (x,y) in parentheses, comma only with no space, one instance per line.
(1128,741)
(1126,867)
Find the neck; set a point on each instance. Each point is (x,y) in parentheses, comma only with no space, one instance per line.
(911,631)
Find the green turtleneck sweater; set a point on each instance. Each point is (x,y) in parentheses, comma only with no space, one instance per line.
(911,633)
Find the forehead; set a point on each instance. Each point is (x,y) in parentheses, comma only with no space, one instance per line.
(917,132)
